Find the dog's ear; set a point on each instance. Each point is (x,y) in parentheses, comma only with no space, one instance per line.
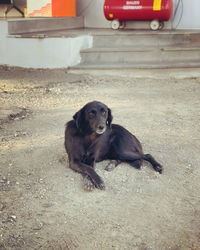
(79,119)
(110,117)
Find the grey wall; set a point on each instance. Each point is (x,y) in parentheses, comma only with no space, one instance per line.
(92,10)
(189,13)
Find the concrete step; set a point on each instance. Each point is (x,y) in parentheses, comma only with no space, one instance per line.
(142,49)
(138,56)
(153,39)
(32,25)
(141,65)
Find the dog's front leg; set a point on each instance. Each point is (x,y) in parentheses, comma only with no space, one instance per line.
(88,159)
(89,173)
(89,184)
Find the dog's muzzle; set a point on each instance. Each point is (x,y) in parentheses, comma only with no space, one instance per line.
(101,129)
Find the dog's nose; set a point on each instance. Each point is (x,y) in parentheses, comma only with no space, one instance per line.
(101,127)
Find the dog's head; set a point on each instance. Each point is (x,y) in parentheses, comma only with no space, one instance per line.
(93,117)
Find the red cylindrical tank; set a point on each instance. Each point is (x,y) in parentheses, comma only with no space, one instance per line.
(123,10)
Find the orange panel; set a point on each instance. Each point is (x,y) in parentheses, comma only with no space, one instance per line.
(63,8)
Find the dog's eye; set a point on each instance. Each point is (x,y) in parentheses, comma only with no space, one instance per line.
(92,114)
(103,112)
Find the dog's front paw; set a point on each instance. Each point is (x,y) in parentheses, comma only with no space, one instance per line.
(96,179)
(101,186)
(99,183)
(111,166)
(88,184)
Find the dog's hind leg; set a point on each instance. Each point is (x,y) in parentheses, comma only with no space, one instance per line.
(135,160)
(154,163)
(136,164)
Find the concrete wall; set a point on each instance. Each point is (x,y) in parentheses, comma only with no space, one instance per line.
(92,10)
(190,12)
(41,53)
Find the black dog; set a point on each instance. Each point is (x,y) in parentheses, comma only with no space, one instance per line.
(91,138)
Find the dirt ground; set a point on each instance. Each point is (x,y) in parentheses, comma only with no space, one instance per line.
(42,202)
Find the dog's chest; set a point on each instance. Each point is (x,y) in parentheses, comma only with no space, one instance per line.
(90,139)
